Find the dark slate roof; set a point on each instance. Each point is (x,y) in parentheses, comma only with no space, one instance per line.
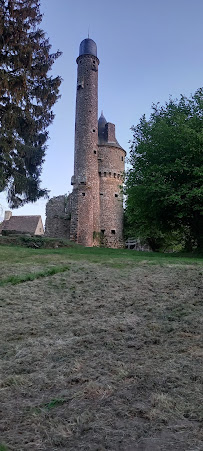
(25,224)
(102,140)
(101,127)
(88,47)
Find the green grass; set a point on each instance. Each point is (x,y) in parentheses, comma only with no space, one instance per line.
(22,264)
(17,254)
(54,403)
(14,280)
(3,447)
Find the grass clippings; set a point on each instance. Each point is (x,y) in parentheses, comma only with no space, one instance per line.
(102,356)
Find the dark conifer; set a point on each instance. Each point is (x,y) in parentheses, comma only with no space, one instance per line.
(27,95)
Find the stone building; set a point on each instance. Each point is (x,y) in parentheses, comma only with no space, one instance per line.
(93,213)
(30,225)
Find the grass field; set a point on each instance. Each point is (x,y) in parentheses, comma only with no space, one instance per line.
(100,350)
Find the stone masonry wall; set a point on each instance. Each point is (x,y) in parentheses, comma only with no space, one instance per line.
(85,210)
(111,168)
(58,215)
(93,213)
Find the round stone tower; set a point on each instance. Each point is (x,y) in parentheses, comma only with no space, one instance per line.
(85,216)
(111,163)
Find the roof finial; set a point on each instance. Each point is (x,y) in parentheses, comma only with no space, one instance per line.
(88,32)
(102,113)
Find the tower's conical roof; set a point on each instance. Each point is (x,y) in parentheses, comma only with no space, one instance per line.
(103,134)
(88,47)
(101,126)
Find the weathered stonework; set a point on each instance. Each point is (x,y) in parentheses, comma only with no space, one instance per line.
(85,214)
(96,204)
(58,217)
(111,167)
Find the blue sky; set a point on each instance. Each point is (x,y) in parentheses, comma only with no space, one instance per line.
(148,51)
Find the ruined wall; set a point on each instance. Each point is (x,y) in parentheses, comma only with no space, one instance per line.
(58,216)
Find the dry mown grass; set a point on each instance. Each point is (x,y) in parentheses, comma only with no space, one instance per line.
(102,357)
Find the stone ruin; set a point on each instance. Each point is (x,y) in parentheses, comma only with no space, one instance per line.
(58,217)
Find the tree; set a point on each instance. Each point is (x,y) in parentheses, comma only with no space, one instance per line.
(27,95)
(164,187)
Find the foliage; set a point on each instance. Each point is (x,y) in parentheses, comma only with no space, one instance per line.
(27,95)
(35,242)
(164,187)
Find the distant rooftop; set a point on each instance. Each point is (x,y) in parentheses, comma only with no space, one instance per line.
(27,224)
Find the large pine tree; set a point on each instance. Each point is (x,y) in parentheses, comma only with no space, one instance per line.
(27,95)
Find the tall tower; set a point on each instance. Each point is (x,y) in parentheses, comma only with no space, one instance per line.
(92,214)
(96,204)
(85,216)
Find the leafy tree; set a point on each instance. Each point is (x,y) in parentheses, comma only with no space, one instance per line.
(27,95)
(164,187)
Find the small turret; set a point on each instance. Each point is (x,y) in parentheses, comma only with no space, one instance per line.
(101,127)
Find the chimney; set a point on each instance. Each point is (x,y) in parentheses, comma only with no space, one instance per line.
(7,215)
(110,132)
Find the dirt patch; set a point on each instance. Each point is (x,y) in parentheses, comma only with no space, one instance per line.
(103,358)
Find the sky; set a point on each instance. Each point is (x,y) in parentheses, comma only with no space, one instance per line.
(148,50)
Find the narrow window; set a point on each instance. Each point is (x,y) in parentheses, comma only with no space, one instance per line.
(109,174)
(101,194)
(116,195)
(114,175)
(113,232)
(83,194)
(118,176)
(95,152)
(99,174)
(104,174)
(102,231)
(93,130)
(122,158)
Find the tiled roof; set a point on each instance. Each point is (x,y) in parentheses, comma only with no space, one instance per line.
(25,224)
